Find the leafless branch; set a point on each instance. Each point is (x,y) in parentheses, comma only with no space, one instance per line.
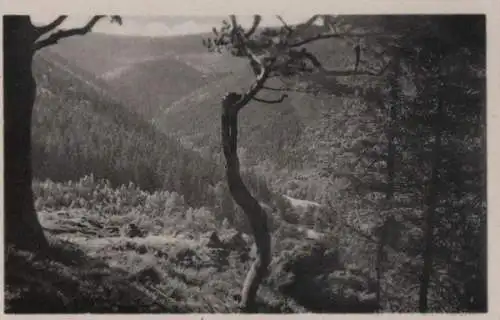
(56,36)
(234,22)
(255,88)
(289,90)
(328,22)
(51,26)
(308,23)
(330,35)
(256,21)
(264,67)
(344,73)
(279,100)
(309,56)
(316,63)
(285,25)
(274,89)
(242,45)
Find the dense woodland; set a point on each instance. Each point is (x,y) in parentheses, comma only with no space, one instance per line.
(394,166)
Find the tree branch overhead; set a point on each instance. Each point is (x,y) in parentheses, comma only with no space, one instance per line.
(51,26)
(66,33)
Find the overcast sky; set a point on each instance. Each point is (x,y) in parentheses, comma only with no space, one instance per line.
(163,25)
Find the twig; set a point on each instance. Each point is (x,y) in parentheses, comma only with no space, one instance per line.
(289,90)
(256,21)
(285,25)
(56,36)
(51,26)
(331,35)
(279,100)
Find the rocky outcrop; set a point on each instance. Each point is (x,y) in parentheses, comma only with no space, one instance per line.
(313,275)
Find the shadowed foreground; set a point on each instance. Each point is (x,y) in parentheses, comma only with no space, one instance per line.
(65,280)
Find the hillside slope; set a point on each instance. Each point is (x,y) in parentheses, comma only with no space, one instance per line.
(101,53)
(146,74)
(175,84)
(79,129)
(151,85)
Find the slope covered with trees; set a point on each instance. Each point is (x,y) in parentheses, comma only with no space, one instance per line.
(394,162)
(79,129)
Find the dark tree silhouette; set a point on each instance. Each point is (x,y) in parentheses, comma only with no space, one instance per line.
(22,40)
(272,53)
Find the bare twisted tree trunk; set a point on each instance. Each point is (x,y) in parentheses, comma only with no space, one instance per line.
(254,212)
(268,58)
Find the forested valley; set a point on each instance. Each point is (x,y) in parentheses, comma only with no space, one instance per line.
(373,183)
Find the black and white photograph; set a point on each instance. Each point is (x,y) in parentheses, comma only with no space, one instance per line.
(245,163)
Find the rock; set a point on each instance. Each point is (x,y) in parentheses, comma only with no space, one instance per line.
(214,241)
(313,276)
(148,274)
(133,231)
(244,256)
(235,242)
(142,249)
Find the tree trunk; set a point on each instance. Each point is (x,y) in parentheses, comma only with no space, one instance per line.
(431,205)
(22,227)
(394,105)
(482,304)
(256,215)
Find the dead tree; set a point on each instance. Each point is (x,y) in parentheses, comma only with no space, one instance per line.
(22,40)
(272,53)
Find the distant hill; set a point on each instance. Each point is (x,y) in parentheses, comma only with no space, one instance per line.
(103,54)
(146,74)
(265,129)
(152,85)
(79,129)
(100,53)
